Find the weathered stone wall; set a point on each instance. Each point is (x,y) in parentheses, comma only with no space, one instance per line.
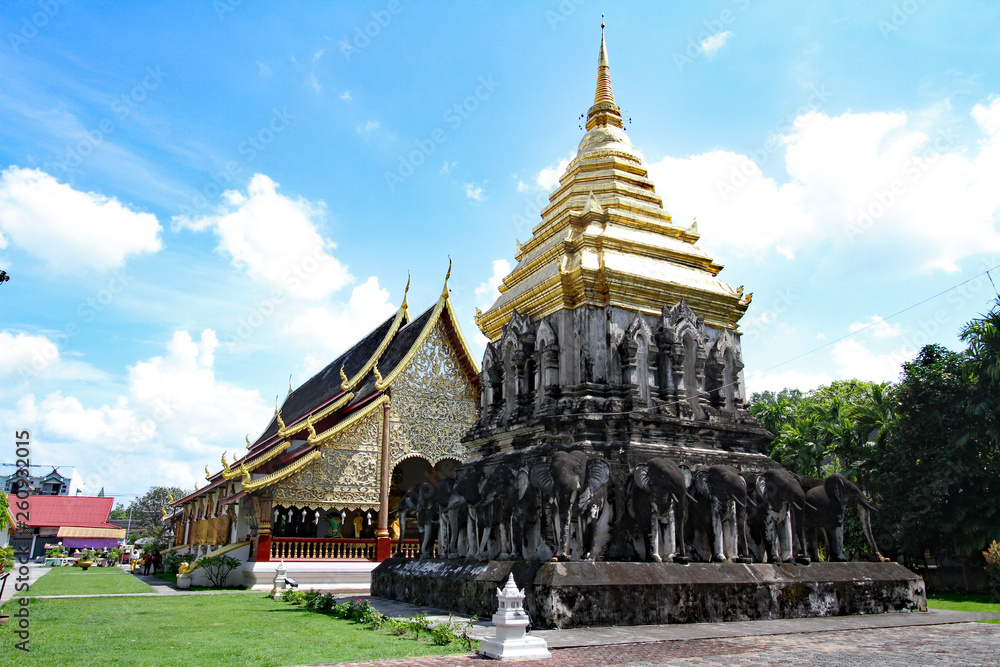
(585,594)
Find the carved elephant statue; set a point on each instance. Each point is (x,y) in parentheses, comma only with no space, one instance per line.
(448,522)
(784,523)
(494,513)
(727,491)
(656,496)
(465,495)
(532,535)
(574,501)
(826,507)
(419,502)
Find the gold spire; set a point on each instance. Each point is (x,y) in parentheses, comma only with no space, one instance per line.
(604,111)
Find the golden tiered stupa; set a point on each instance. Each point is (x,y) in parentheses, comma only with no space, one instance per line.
(605,239)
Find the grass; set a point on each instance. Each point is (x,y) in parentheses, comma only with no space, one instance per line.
(987,603)
(96,580)
(248,629)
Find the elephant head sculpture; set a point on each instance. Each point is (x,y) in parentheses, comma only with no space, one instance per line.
(574,490)
(419,502)
(727,490)
(465,496)
(657,498)
(826,507)
(784,524)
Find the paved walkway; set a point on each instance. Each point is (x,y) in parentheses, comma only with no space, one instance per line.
(953,645)
(10,589)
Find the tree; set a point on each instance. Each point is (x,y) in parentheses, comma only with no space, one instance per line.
(3,511)
(3,277)
(119,513)
(931,475)
(147,510)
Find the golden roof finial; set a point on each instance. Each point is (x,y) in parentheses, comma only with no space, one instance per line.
(170,498)
(378,376)
(446,277)
(312,429)
(345,382)
(225,465)
(248,442)
(281,422)
(196,486)
(208,475)
(406,291)
(246,473)
(164,510)
(604,111)
(290,384)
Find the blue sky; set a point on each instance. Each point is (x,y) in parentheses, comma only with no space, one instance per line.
(199,200)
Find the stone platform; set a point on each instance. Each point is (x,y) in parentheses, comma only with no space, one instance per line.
(588,594)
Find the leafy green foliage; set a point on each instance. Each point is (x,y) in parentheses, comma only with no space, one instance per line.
(992,558)
(217,569)
(7,558)
(4,519)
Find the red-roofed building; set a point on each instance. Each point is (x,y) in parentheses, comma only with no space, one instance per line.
(78,522)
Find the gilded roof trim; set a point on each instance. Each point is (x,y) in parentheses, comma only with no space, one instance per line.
(281,474)
(349,421)
(316,416)
(402,313)
(230,473)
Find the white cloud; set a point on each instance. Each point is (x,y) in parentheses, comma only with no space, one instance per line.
(114,428)
(264,70)
(877,327)
(711,45)
(180,391)
(547,178)
(474,192)
(855,360)
(346,95)
(71,231)
(25,357)
(488,291)
(276,240)
(856,182)
(367,127)
(446,168)
(326,332)
(313,83)
(788,379)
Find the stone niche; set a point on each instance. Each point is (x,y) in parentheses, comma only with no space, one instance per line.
(594,594)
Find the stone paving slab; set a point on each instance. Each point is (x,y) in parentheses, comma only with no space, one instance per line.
(959,644)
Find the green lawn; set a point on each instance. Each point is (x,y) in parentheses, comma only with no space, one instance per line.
(241,629)
(984,603)
(74,581)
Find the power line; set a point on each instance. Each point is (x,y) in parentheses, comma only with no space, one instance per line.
(884,319)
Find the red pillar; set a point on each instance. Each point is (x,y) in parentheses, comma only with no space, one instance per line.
(383,548)
(262,548)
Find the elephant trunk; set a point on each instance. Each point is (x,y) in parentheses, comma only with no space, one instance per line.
(867,527)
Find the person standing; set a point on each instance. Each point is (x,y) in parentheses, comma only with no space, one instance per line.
(157,561)
(147,561)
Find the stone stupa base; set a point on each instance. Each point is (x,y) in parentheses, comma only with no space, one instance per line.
(593,594)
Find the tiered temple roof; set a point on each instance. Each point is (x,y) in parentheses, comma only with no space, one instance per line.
(605,239)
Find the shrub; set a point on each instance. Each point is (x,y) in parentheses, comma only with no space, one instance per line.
(217,569)
(418,624)
(992,556)
(7,558)
(294,596)
(172,563)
